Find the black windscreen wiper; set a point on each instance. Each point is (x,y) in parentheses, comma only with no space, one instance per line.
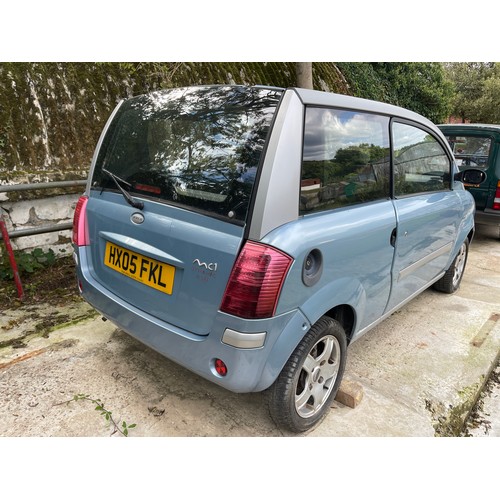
(135,203)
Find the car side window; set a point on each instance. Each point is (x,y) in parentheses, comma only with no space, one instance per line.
(420,163)
(345,160)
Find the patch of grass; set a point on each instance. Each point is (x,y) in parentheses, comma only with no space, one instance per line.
(53,284)
(27,262)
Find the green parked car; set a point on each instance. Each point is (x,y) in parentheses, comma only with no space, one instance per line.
(477,146)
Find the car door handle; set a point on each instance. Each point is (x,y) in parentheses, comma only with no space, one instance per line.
(394,235)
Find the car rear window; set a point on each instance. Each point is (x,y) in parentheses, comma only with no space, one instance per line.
(470,151)
(197,147)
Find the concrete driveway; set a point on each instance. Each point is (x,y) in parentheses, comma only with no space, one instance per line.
(420,372)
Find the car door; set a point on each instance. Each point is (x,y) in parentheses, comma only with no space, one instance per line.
(427,210)
(346,213)
(476,148)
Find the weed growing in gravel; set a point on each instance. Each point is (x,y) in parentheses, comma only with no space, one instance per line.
(121,427)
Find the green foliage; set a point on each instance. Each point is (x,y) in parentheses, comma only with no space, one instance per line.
(27,262)
(122,427)
(364,81)
(419,86)
(2,149)
(489,103)
(477,91)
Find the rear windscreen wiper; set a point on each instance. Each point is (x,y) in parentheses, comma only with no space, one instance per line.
(135,203)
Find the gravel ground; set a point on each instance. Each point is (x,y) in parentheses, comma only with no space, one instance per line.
(54,347)
(484,420)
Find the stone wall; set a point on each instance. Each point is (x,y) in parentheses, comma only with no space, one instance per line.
(51,116)
(42,212)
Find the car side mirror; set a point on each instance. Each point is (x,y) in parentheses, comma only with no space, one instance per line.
(471,176)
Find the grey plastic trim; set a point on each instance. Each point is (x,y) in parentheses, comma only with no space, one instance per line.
(243,340)
(428,258)
(277,202)
(317,98)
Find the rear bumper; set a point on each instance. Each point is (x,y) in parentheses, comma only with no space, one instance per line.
(249,369)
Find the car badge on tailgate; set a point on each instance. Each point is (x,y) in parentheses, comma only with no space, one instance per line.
(137,218)
(212,266)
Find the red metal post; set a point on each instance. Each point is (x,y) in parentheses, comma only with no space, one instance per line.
(12,259)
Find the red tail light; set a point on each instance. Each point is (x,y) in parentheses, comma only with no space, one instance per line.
(496,201)
(255,282)
(80,231)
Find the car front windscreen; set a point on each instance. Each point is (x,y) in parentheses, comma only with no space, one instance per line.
(197,147)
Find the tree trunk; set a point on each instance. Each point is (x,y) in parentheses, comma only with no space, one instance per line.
(303,72)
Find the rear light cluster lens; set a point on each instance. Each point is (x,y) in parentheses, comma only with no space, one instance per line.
(80,231)
(496,201)
(255,282)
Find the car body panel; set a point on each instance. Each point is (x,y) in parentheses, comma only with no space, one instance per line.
(201,249)
(421,252)
(357,260)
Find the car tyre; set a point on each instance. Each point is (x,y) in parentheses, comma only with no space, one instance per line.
(302,394)
(452,278)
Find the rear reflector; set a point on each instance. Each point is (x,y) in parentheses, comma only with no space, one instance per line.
(80,231)
(496,201)
(255,282)
(220,367)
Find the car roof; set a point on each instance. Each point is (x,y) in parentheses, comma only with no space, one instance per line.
(472,126)
(320,98)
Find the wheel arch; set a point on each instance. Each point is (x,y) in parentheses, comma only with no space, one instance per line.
(346,316)
(471,234)
(288,341)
